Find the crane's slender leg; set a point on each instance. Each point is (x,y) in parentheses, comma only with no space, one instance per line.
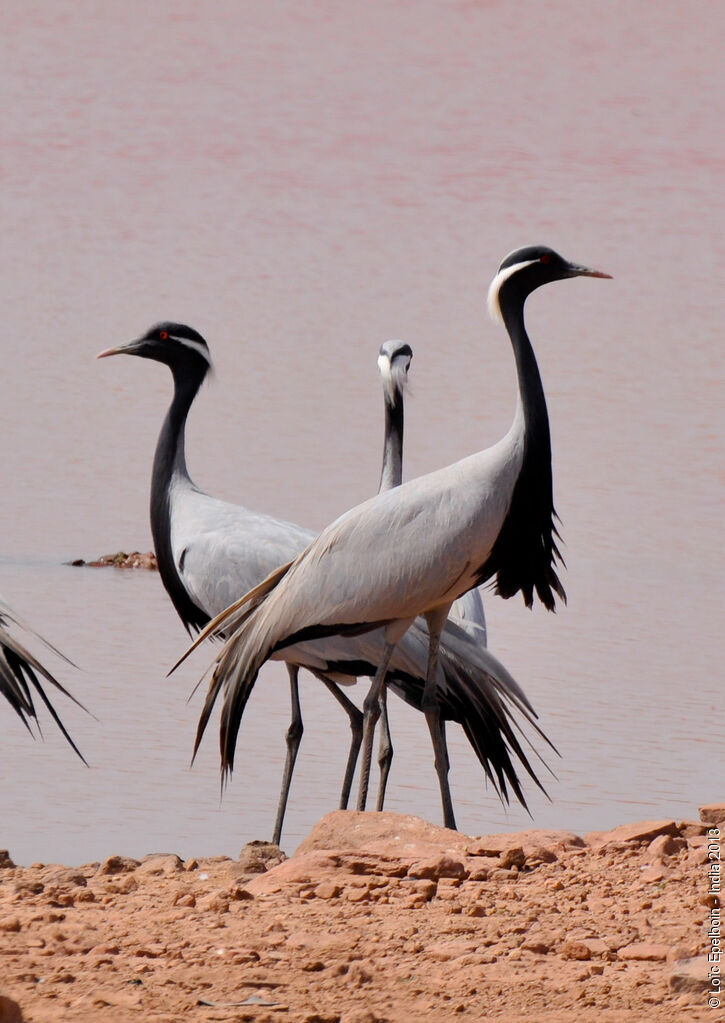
(294,737)
(385,749)
(371,713)
(431,708)
(356,727)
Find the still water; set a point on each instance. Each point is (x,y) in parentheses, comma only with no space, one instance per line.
(301,183)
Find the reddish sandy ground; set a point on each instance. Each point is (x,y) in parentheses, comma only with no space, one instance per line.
(377,917)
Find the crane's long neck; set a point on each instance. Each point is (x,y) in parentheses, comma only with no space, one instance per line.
(169,469)
(392,471)
(531,389)
(170,456)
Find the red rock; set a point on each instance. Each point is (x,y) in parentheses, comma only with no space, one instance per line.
(118,865)
(187,899)
(712,813)
(437,867)
(698,856)
(666,845)
(653,874)
(5,862)
(259,857)
(689,829)
(690,975)
(642,831)
(480,867)
(314,866)
(214,902)
(537,844)
(576,950)
(158,864)
(513,857)
(389,834)
(10,1011)
(644,950)
(327,890)
(540,946)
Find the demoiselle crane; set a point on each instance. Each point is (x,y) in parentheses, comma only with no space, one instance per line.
(414,549)
(210,551)
(21,672)
(394,361)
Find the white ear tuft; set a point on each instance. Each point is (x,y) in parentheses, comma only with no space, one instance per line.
(494,304)
(394,373)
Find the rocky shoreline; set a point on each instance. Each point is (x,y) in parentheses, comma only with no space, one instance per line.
(377,917)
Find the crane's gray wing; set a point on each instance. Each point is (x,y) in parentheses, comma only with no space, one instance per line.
(223,550)
(397,555)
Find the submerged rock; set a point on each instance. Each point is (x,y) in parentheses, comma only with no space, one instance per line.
(136,559)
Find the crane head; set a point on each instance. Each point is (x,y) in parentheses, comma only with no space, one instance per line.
(394,362)
(524,270)
(165,342)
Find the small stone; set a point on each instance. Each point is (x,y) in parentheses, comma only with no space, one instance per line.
(712,813)
(327,890)
(11,925)
(642,831)
(158,864)
(644,951)
(710,900)
(5,862)
(239,894)
(437,867)
(313,966)
(357,894)
(690,975)
(187,899)
(698,856)
(577,950)
(537,945)
(259,857)
(191,864)
(512,858)
(65,876)
(653,874)
(215,902)
(10,1011)
(124,886)
(666,845)
(691,829)
(118,865)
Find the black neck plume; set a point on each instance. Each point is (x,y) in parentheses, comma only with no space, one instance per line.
(525,553)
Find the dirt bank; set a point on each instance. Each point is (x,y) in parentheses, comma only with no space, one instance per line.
(376,917)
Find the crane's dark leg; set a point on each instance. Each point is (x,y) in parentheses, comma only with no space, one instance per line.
(431,708)
(294,737)
(371,713)
(385,749)
(356,727)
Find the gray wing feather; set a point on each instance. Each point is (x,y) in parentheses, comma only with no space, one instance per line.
(223,550)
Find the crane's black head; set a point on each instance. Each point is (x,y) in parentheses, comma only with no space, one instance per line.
(394,362)
(526,269)
(174,344)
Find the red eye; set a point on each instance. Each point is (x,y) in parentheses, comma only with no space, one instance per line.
(163,334)
(545,258)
